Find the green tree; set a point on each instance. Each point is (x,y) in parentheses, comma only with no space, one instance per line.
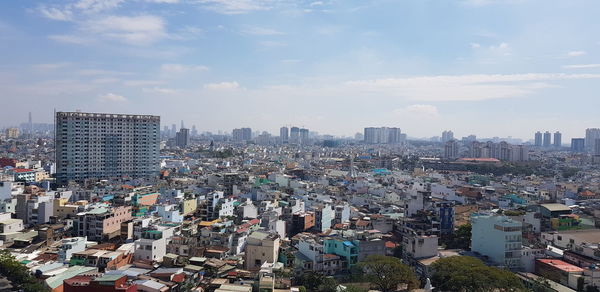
(461,238)
(463,273)
(328,284)
(18,274)
(387,273)
(311,280)
(351,288)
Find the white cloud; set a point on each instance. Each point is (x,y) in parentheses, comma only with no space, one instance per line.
(160,90)
(142,82)
(71,39)
(475,45)
(111,97)
(255,30)
(420,110)
(463,87)
(576,53)
(51,66)
(135,30)
(56,13)
(163,1)
(502,49)
(582,66)
(222,86)
(181,68)
(236,6)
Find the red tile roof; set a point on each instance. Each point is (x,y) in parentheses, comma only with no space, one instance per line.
(561,265)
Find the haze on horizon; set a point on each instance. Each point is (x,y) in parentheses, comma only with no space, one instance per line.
(484,67)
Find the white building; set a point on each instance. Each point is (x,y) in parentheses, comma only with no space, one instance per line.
(498,238)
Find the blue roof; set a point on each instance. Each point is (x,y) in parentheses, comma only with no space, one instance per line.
(348,243)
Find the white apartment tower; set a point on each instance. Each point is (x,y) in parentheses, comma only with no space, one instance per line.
(101,146)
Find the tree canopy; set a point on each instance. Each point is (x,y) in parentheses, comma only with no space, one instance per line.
(463,273)
(387,273)
(18,274)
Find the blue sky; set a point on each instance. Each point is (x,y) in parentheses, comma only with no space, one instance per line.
(484,67)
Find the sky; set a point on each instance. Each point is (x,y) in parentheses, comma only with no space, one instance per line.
(485,67)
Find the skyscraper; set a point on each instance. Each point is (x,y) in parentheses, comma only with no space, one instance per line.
(538,139)
(283,134)
(173,130)
(246,134)
(303,136)
(590,138)
(383,135)
(182,138)
(557,139)
(597,147)
(294,135)
(547,139)
(101,146)
(578,145)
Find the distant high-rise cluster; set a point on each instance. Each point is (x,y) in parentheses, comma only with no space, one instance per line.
(545,139)
(182,138)
(243,134)
(294,135)
(383,135)
(501,151)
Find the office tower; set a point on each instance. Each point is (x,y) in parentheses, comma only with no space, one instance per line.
(578,145)
(451,149)
(246,134)
(30,125)
(173,130)
(182,138)
(294,135)
(101,146)
(284,134)
(590,138)
(547,139)
(194,132)
(538,139)
(447,136)
(557,139)
(166,131)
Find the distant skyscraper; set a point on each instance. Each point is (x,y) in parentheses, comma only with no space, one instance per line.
(166,131)
(451,149)
(101,146)
(590,138)
(303,136)
(538,139)
(246,134)
(284,134)
(30,125)
(578,145)
(194,131)
(447,136)
(182,138)
(295,135)
(547,139)
(237,135)
(557,139)
(597,147)
(173,130)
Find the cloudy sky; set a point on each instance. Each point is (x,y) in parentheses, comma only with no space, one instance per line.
(485,67)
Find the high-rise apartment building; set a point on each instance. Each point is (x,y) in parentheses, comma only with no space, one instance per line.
(547,139)
(451,149)
(447,136)
(100,146)
(243,134)
(590,138)
(303,136)
(12,133)
(383,135)
(597,147)
(284,134)
(182,138)
(173,131)
(578,145)
(246,134)
(557,139)
(538,139)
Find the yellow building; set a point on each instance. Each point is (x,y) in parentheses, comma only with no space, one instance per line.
(189,206)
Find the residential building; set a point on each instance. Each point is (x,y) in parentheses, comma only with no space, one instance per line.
(100,146)
(497,237)
(261,247)
(578,145)
(101,222)
(557,139)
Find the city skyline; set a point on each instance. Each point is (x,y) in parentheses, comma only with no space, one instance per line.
(261,64)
